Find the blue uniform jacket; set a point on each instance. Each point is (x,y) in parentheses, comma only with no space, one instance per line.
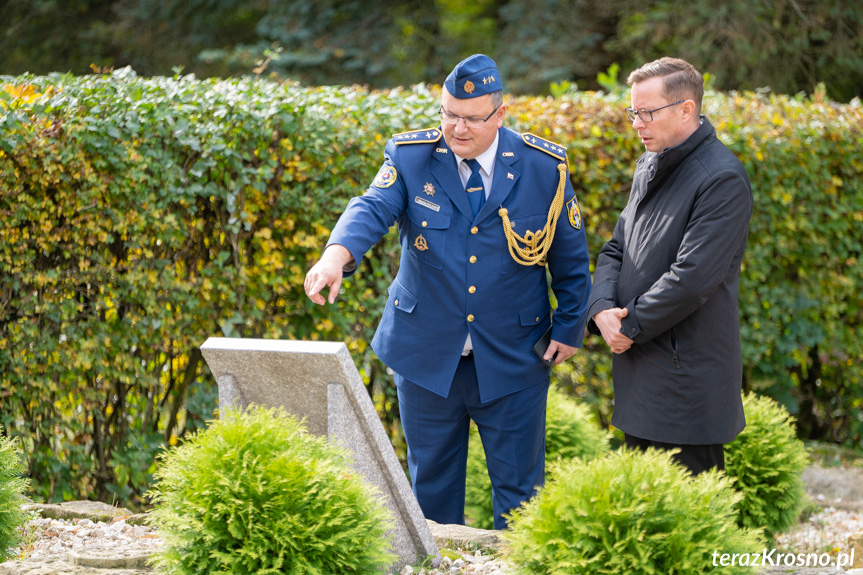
(456,275)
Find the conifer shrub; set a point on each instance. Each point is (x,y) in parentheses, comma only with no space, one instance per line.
(765,463)
(11,486)
(570,431)
(256,493)
(630,512)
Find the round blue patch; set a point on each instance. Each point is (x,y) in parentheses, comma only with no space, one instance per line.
(385,178)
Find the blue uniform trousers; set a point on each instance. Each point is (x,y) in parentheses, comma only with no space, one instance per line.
(436,428)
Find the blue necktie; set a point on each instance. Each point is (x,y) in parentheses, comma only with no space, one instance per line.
(475,190)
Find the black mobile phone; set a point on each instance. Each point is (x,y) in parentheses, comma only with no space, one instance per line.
(541,346)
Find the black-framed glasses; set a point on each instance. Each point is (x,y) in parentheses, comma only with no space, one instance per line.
(470,121)
(647,115)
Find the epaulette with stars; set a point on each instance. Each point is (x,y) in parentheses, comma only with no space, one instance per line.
(426,136)
(546,146)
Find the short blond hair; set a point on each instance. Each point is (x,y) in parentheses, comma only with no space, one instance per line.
(680,79)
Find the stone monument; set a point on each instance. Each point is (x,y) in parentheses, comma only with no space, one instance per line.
(318,381)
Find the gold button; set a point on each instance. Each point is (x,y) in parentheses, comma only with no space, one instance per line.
(473,259)
(470,317)
(425,224)
(474,230)
(396,302)
(537,320)
(472,289)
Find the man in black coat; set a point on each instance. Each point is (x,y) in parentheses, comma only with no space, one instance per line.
(664,294)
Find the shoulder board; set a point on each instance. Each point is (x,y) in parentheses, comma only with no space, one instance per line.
(418,136)
(550,148)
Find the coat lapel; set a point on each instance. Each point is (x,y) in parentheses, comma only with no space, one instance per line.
(445,173)
(505,175)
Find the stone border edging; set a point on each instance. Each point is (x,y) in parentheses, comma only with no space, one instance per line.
(92,510)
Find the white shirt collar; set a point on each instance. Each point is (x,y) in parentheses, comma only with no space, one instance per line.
(486,159)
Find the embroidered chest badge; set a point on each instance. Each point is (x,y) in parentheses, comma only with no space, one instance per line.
(421,244)
(429,189)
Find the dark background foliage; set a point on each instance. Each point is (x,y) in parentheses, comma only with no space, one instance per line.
(788,45)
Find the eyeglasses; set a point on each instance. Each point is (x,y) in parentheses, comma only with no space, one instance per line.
(470,121)
(647,115)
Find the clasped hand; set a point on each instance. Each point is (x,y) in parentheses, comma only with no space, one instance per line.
(609,323)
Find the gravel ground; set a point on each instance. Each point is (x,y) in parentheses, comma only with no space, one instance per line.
(55,538)
(479,562)
(826,531)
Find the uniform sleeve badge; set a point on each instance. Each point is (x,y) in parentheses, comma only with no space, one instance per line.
(574,213)
(386,177)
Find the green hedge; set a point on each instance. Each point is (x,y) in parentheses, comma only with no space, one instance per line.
(142,216)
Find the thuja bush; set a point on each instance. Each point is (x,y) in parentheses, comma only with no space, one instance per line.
(630,512)
(765,462)
(11,486)
(255,493)
(570,431)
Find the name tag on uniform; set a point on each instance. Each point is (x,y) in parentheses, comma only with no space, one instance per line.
(424,202)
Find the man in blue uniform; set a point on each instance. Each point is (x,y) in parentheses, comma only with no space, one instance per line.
(478,208)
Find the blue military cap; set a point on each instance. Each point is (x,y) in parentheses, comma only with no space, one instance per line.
(474,76)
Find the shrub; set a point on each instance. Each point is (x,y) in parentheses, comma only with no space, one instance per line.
(478,508)
(11,486)
(766,461)
(630,512)
(570,431)
(255,493)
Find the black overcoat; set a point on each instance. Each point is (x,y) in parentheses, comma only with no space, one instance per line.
(674,263)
